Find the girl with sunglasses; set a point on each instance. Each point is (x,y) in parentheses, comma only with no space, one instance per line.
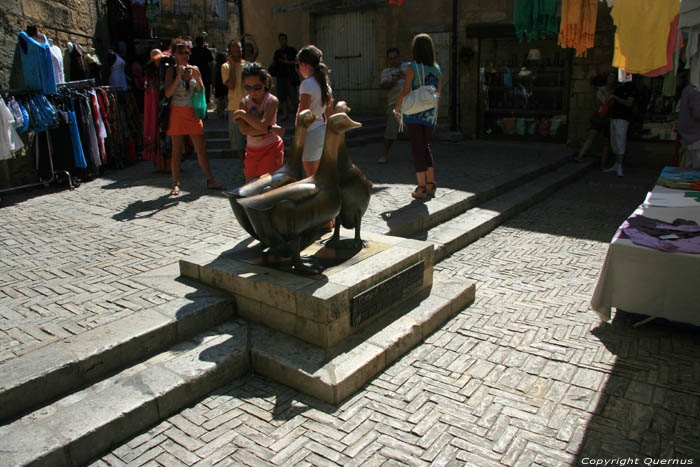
(181,81)
(257,119)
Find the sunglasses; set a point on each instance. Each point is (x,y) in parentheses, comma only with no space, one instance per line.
(257,87)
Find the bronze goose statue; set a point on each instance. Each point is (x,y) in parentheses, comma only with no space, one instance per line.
(286,218)
(290,172)
(355,191)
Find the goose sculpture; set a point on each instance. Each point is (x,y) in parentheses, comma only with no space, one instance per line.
(290,172)
(287,218)
(355,191)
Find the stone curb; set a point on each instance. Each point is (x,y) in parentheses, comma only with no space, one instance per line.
(334,374)
(42,375)
(75,430)
(466,228)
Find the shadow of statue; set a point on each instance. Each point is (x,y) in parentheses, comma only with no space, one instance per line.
(142,209)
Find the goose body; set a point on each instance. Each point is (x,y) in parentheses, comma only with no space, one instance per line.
(290,172)
(286,218)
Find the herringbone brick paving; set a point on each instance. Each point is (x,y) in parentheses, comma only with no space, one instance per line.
(526,375)
(67,256)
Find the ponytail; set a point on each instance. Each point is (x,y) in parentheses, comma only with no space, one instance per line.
(321,75)
(312,55)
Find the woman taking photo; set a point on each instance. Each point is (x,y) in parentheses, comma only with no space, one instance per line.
(315,93)
(423,70)
(181,82)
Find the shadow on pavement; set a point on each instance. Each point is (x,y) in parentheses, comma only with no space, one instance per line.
(649,406)
(141,209)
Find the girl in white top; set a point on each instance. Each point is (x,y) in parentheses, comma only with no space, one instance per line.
(314,93)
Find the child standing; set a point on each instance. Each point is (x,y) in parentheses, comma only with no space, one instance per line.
(257,119)
(314,93)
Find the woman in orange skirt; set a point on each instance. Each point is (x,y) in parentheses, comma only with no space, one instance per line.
(181,82)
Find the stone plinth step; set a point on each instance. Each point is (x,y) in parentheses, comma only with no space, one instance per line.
(334,374)
(218,143)
(325,309)
(49,372)
(466,228)
(451,203)
(74,430)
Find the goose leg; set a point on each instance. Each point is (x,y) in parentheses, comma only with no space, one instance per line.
(334,241)
(359,244)
(296,260)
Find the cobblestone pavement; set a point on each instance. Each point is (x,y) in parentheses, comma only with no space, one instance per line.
(68,256)
(526,375)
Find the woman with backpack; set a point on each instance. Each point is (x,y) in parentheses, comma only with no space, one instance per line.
(423,71)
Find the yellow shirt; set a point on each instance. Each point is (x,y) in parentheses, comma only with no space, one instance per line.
(236,95)
(642,33)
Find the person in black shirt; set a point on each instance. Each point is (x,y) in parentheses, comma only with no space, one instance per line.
(284,69)
(621,113)
(202,57)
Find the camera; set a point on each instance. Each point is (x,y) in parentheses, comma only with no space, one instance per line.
(187,69)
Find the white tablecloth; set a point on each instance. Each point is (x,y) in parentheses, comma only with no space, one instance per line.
(647,281)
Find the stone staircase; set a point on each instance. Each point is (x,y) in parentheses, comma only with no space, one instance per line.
(70,401)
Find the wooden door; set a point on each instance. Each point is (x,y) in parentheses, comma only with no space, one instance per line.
(348,42)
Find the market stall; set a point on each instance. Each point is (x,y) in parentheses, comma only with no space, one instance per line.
(653,261)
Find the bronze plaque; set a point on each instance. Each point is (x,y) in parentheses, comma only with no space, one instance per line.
(378,298)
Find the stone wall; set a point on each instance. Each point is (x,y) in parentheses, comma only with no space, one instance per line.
(59,20)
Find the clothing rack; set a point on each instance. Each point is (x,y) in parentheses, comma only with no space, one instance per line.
(83,83)
(54,174)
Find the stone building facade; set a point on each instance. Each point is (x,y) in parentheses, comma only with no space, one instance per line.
(355,33)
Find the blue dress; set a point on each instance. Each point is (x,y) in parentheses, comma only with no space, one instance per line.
(37,66)
(432,76)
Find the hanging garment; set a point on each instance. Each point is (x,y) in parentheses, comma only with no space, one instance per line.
(10,141)
(117,77)
(57,64)
(578,22)
(672,44)
(78,67)
(641,37)
(99,125)
(17,113)
(37,66)
(536,19)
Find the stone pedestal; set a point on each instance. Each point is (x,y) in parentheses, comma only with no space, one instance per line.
(323,310)
(327,335)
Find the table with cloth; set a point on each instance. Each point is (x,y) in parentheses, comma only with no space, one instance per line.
(656,281)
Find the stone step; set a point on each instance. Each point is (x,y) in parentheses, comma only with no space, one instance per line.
(456,233)
(218,143)
(40,376)
(421,217)
(332,375)
(78,428)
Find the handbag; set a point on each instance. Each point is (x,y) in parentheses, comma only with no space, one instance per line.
(420,99)
(164,113)
(199,102)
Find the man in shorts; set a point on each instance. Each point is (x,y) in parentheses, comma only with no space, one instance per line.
(621,113)
(392,79)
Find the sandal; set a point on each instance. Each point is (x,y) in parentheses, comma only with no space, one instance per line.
(212,185)
(430,189)
(420,192)
(176,189)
